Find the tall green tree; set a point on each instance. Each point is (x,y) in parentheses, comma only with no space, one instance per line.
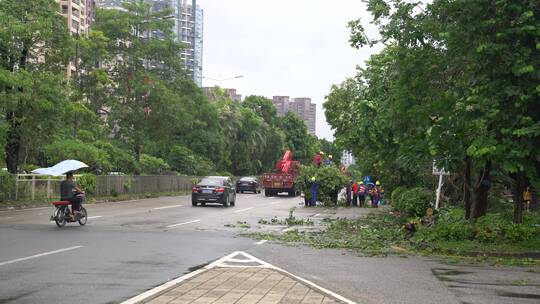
(460,88)
(34,51)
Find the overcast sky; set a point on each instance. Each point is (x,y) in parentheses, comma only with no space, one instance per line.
(297,48)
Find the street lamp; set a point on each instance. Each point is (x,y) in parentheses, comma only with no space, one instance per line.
(230,78)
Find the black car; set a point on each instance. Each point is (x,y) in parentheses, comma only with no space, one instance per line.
(214,189)
(248,183)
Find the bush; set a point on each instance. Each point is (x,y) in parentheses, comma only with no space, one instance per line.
(7,186)
(331,182)
(95,158)
(186,162)
(152,165)
(415,201)
(450,225)
(121,160)
(87,182)
(396,196)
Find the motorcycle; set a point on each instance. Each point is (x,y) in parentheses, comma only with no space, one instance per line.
(62,214)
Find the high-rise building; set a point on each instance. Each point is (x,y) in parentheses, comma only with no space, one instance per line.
(347,159)
(282,104)
(188,29)
(213,93)
(190,32)
(302,106)
(80,14)
(306,110)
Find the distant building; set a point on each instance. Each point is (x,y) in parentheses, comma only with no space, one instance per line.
(347,159)
(188,29)
(80,14)
(212,93)
(302,106)
(282,104)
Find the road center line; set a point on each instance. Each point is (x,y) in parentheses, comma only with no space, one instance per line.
(261,242)
(94,217)
(275,202)
(39,255)
(242,210)
(181,224)
(167,207)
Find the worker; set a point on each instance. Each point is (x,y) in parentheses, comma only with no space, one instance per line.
(380,190)
(328,161)
(361,194)
(374,193)
(348,192)
(314,189)
(527,198)
(317,159)
(355,194)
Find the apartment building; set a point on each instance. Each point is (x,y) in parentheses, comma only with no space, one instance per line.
(190,32)
(282,104)
(302,106)
(80,14)
(188,29)
(213,92)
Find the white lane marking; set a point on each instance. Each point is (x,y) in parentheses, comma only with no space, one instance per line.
(251,196)
(185,223)
(167,207)
(275,202)
(316,215)
(261,242)
(242,210)
(39,255)
(94,217)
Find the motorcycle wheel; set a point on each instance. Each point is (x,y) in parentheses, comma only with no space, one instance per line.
(84,217)
(59,218)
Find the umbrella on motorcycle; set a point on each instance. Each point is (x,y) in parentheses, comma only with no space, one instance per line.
(61,168)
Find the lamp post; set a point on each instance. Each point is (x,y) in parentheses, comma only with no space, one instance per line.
(223,79)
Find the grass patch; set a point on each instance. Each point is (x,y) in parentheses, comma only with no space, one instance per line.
(239,224)
(289,221)
(383,233)
(372,235)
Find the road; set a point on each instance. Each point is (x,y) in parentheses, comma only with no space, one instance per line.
(129,247)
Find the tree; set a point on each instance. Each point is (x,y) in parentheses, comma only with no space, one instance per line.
(140,64)
(474,103)
(297,138)
(34,51)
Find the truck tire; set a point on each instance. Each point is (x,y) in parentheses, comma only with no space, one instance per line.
(267,192)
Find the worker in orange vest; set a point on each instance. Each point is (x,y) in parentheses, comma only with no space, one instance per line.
(361,194)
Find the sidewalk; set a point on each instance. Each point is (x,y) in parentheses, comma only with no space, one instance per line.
(242,279)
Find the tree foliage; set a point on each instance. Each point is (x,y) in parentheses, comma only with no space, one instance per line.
(456,83)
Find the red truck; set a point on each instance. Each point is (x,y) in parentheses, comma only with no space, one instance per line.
(283,177)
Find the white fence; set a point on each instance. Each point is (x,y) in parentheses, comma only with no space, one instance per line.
(38,187)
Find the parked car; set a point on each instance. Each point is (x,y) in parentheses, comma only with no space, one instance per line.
(214,189)
(248,183)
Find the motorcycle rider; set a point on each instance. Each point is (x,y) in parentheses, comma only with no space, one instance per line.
(70,192)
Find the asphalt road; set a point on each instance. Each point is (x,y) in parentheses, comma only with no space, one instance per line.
(129,247)
(125,249)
